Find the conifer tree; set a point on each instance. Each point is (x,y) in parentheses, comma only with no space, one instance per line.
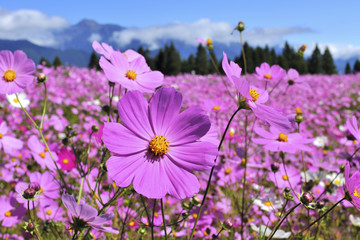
(188,65)
(173,63)
(160,62)
(212,68)
(315,62)
(57,62)
(328,62)
(94,61)
(347,68)
(146,53)
(356,67)
(201,66)
(43,61)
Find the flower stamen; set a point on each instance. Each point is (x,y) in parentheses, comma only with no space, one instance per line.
(159,145)
(254,94)
(267,76)
(282,137)
(9,75)
(131,75)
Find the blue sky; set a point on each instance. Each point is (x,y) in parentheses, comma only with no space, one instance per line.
(333,23)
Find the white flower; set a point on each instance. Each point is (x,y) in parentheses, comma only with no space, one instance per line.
(268,203)
(265,231)
(354,220)
(15,103)
(320,141)
(339,180)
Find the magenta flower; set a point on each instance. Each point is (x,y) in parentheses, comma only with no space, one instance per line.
(157,148)
(103,49)
(352,186)
(9,144)
(66,159)
(41,154)
(295,79)
(10,213)
(255,98)
(15,71)
(133,75)
(85,215)
(277,141)
(353,128)
(273,73)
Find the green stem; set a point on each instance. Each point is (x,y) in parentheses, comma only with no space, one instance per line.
(44,109)
(163,217)
(27,114)
(211,173)
(244,180)
(323,215)
(80,191)
(282,220)
(152,221)
(38,235)
(243,54)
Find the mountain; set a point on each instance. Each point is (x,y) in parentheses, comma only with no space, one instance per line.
(69,56)
(74,45)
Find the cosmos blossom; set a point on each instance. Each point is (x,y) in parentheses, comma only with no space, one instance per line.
(133,75)
(86,215)
(9,144)
(277,141)
(352,186)
(157,149)
(273,73)
(353,128)
(255,98)
(15,71)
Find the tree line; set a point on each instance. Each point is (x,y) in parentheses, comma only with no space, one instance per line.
(169,62)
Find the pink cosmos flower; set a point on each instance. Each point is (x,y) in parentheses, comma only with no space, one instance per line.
(134,75)
(66,159)
(9,144)
(10,213)
(295,79)
(277,141)
(107,51)
(157,148)
(41,154)
(86,215)
(352,186)
(15,71)
(255,98)
(352,126)
(273,73)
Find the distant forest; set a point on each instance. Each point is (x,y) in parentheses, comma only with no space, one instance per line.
(169,62)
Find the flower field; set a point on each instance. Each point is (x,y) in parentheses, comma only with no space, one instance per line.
(127,153)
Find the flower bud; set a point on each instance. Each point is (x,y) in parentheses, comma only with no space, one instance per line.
(111,84)
(275,167)
(195,200)
(41,78)
(227,224)
(301,50)
(30,226)
(299,118)
(35,186)
(29,193)
(342,168)
(94,129)
(306,198)
(185,205)
(287,190)
(240,27)
(105,108)
(68,128)
(320,204)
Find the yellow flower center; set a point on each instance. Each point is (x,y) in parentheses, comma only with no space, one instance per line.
(356,193)
(131,75)
(243,160)
(227,171)
(174,234)
(15,100)
(156,214)
(19,156)
(231,133)
(13,159)
(285,177)
(337,181)
(46,150)
(298,110)
(267,76)
(65,161)
(1,135)
(216,108)
(9,75)
(194,215)
(7,214)
(209,41)
(41,190)
(131,224)
(42,154)
(254,94)
(354,142)
(268,203)
(114,184)
(283,137)
(159,145)
(48,212)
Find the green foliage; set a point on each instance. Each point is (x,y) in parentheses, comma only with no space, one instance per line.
(188,65)
(146,53)
(201,61)
(356,67)
(43,61)
(57,62)
(94,61)
(315,64)
(347,68)
(328,62)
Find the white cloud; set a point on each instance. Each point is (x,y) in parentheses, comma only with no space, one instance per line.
(203,28)
(338,51)
(94,37)
(31,25)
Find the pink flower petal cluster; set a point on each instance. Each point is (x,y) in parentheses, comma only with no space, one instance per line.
(267,73)
(352,186)
(16,71)
(157,149)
